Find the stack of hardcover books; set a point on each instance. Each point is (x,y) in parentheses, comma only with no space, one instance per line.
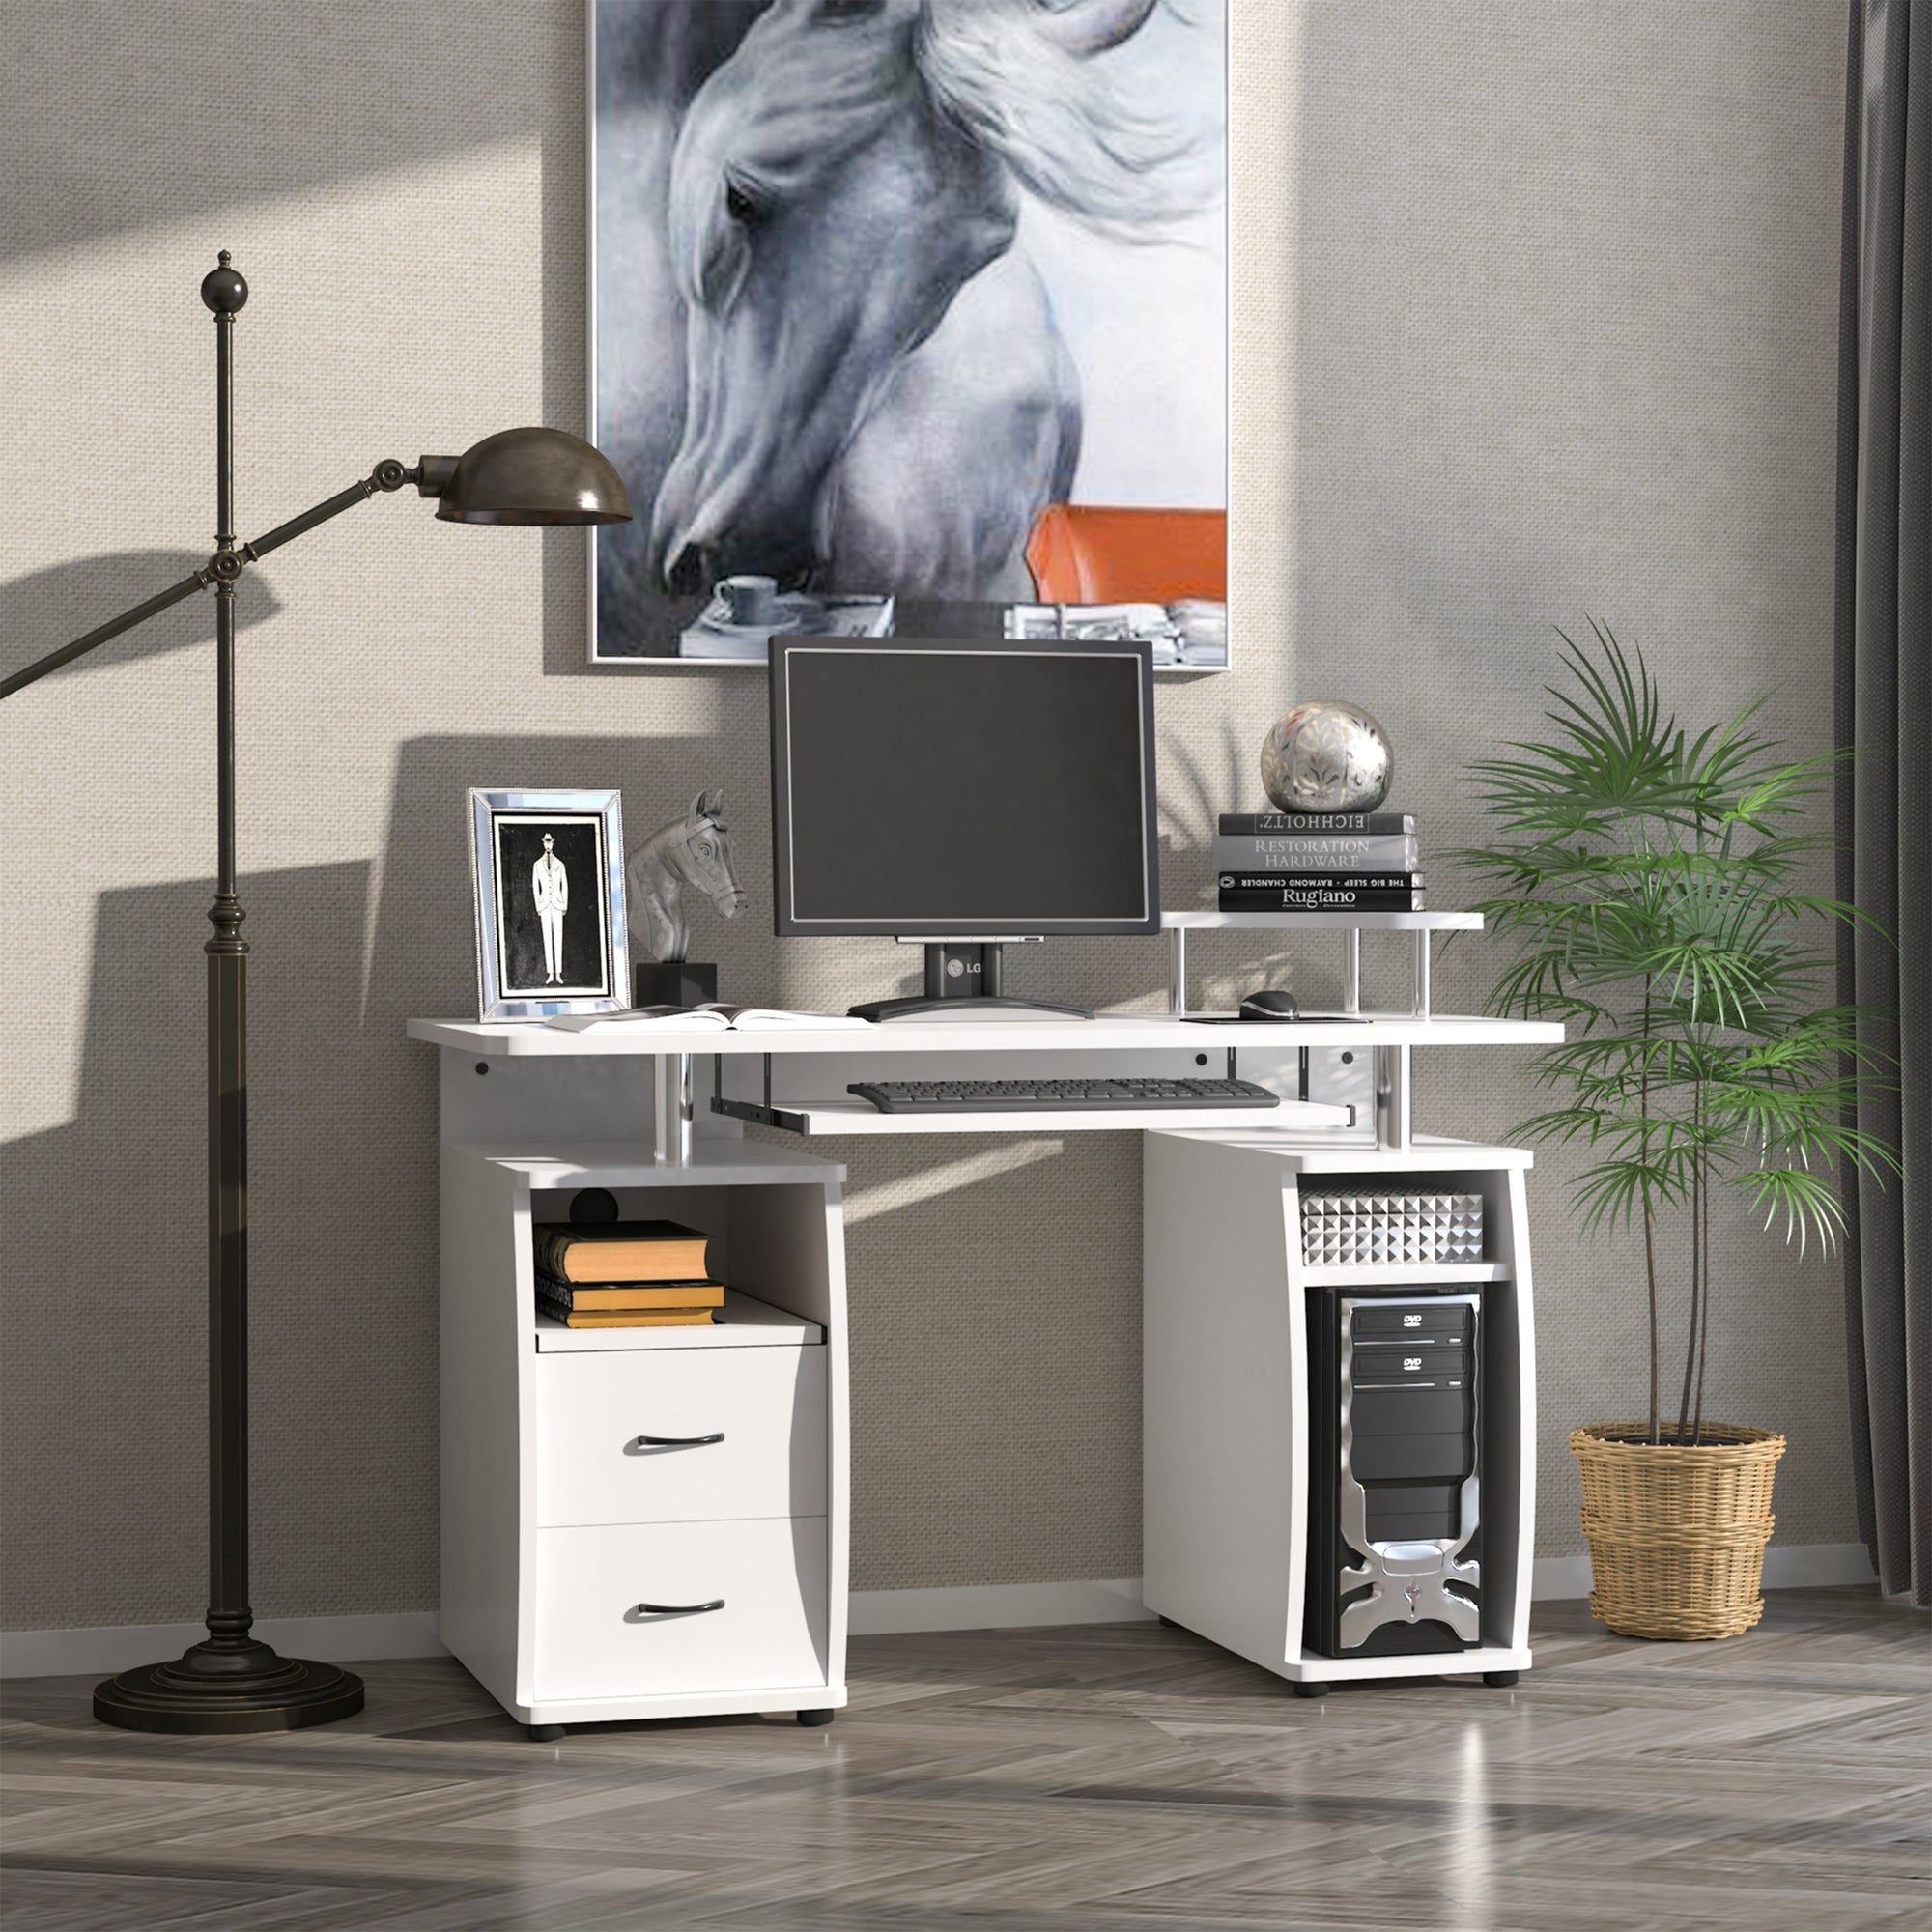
(1302,861)
(625,1274)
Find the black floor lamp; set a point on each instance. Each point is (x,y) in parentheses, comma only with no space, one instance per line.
(231,1681)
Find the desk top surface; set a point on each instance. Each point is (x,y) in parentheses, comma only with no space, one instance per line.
(1109,1032)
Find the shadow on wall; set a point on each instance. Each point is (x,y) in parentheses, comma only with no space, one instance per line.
(106,1296)
(258,136)
(50,607)
(503,75)
(948,1240)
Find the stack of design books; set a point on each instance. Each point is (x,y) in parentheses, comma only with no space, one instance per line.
(1304,862)
(625,1274)
(1191,631)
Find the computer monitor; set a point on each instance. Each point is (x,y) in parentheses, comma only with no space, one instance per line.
(964,793)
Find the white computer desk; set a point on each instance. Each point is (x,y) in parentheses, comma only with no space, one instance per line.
(551,1538)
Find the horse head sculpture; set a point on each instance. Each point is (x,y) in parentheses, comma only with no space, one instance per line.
(837,184)
(695,850)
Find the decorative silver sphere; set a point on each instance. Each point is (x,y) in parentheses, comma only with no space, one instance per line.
(1323,757)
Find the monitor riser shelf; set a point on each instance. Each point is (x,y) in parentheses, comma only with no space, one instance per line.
(1421,926)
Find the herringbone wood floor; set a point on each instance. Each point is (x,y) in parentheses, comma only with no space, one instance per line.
(1114,1778)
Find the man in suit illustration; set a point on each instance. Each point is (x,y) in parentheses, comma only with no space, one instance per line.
(550,885)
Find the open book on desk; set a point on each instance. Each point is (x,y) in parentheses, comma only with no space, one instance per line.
(717,1017)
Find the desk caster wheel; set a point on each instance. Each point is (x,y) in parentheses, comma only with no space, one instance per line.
(1168,1623)
(1499,1680)
(1310,1689)
(813,1719)
(545,1734)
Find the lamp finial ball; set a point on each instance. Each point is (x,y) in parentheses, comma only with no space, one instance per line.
(222,289)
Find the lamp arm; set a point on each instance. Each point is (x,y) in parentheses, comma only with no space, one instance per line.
(223,567)
(388,474)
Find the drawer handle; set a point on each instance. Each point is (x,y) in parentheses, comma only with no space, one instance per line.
(679,1441)
(679,1610)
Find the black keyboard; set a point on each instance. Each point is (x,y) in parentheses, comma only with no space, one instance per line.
(1011,1096)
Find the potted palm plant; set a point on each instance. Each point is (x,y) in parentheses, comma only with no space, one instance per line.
(1653,887)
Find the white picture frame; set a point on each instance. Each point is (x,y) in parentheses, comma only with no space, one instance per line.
(546,875)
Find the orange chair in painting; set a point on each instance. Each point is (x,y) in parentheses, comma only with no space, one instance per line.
(1095,554)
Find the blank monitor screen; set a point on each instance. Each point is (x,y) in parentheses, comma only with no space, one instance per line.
(930,789)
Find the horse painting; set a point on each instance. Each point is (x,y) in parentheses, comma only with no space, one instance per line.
(826,352)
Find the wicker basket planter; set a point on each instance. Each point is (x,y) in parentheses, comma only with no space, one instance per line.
(1677,1530)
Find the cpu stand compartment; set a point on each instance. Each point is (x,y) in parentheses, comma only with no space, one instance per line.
(1338,1457)
(1394,1471)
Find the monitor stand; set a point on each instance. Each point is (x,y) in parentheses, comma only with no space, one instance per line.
(962,982)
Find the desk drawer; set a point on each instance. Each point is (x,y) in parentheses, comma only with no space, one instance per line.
(594,1639)
(769,1406)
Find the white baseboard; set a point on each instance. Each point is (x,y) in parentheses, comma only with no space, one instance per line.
(1786,1567)
(107,1648)
(996,1606)
(1553,1579)
(1114,1600)
(1814,1566)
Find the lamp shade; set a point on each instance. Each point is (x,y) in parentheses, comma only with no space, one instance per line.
(531,476)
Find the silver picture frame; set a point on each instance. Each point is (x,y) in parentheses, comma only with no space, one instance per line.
(547,876)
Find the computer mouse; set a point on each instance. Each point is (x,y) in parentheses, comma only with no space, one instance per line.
(1270,1004)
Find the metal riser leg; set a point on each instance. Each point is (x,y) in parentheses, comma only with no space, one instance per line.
(674,1109)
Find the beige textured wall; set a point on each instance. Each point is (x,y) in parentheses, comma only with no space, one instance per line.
(1535,314)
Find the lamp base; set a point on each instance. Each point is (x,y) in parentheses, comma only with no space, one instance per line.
(222,1686)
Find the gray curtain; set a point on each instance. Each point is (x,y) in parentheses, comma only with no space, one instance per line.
(1885,791)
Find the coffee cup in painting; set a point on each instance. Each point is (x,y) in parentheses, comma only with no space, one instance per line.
(750,600)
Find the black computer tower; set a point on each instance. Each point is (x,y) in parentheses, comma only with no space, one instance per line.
(1395,1471)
